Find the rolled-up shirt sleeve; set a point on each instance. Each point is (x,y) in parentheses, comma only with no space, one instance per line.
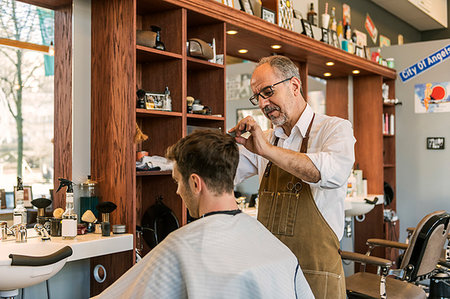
(335,158)
(248,165)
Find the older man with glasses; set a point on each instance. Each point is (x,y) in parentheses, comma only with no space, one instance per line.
(303,164)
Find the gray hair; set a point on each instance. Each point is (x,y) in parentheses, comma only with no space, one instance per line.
(283,66)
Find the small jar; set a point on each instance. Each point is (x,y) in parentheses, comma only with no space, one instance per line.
(55,227)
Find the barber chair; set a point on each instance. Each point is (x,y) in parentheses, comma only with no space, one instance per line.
(421,256)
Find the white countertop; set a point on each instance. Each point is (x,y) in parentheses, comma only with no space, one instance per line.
(83,246)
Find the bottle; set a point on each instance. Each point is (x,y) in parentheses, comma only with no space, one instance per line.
(351,185)
(311,15)
(340,29)
(167,100)
(69,217)
(89,196)
(333,25)
(20,213)
(158,44)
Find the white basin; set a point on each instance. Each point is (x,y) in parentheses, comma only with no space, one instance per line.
(357,206)
(17,277)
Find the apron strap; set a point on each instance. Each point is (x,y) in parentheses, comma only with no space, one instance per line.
(304,146)
(269,165)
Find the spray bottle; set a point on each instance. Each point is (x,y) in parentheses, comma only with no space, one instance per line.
(20,213)
(69,217)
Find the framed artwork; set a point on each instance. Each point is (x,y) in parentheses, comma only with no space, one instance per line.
(246,6)
(27,196)
(325,37)
(307,29)
(285,14)
(436,143)
(359,51)
(334,39)
(257,114)
(268,15)
(228,3)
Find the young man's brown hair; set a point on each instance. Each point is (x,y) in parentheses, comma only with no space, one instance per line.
(211,154)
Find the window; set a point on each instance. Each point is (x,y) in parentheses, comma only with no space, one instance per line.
(26,97)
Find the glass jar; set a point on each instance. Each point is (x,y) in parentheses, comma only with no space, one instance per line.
(89,196)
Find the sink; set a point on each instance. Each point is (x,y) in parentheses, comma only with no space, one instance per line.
(26,264)
(357,206)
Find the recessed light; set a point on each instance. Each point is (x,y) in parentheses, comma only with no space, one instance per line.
(329,63)
(327,74)
(232,32)
(275,47)
(243,51)
(356,72)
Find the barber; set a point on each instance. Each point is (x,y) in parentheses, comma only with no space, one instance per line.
(303,164)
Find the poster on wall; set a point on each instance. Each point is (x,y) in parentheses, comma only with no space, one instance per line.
(371,29)
(238,87)
(432,97)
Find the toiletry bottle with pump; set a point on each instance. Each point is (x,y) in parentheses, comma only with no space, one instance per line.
(69,217)
(20,212)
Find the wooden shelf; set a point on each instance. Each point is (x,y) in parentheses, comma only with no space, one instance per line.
(388,135)
(146,55)
(151,173)
(208,117)
(389,165)
(199,64)
(388,105)
(156,113)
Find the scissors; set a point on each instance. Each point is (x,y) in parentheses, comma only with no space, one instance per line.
(294,187)
(233,134)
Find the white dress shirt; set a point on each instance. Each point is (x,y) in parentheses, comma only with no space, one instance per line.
(219,256)
(330,148)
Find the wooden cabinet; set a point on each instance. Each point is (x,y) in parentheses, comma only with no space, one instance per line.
(120,68)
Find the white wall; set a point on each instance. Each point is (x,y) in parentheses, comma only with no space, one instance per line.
(423,176)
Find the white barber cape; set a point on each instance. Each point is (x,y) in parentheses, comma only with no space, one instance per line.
(219,256)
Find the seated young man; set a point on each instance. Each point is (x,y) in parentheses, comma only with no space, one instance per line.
(225,253)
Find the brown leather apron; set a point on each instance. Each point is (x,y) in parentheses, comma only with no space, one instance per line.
(287,208)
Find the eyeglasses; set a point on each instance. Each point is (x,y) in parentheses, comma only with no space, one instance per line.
(266,92)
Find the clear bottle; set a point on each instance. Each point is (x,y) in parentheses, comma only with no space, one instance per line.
(333,24)
(20,212)
(311,15)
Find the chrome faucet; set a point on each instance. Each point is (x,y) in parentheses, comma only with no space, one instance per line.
(20,232)
(42,231)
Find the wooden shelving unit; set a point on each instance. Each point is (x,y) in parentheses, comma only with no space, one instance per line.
(120,68)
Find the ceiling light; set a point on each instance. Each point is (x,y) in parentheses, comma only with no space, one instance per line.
(327,74)
(275,47)
(356,72)
(232,32)
(243,51)
(329,63)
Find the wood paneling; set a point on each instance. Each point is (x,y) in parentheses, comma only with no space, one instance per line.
(367,120)
(113,106)
(115,264)
(337,97)
(63,101)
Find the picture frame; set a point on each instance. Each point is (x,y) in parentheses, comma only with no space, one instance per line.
(325,36)
(257,114)
(246,6)
(334,39)
(307,29)
(359,51)
(268,15)
(27,196)
(435,143)
(367,52)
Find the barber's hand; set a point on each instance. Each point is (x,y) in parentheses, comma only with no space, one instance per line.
(256,143)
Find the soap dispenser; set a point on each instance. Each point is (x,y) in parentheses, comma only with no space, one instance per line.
(69,217)
(20,212)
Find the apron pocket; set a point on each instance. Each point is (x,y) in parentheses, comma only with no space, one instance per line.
(284,213)
(326,285)
(265,201)
(277,211)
